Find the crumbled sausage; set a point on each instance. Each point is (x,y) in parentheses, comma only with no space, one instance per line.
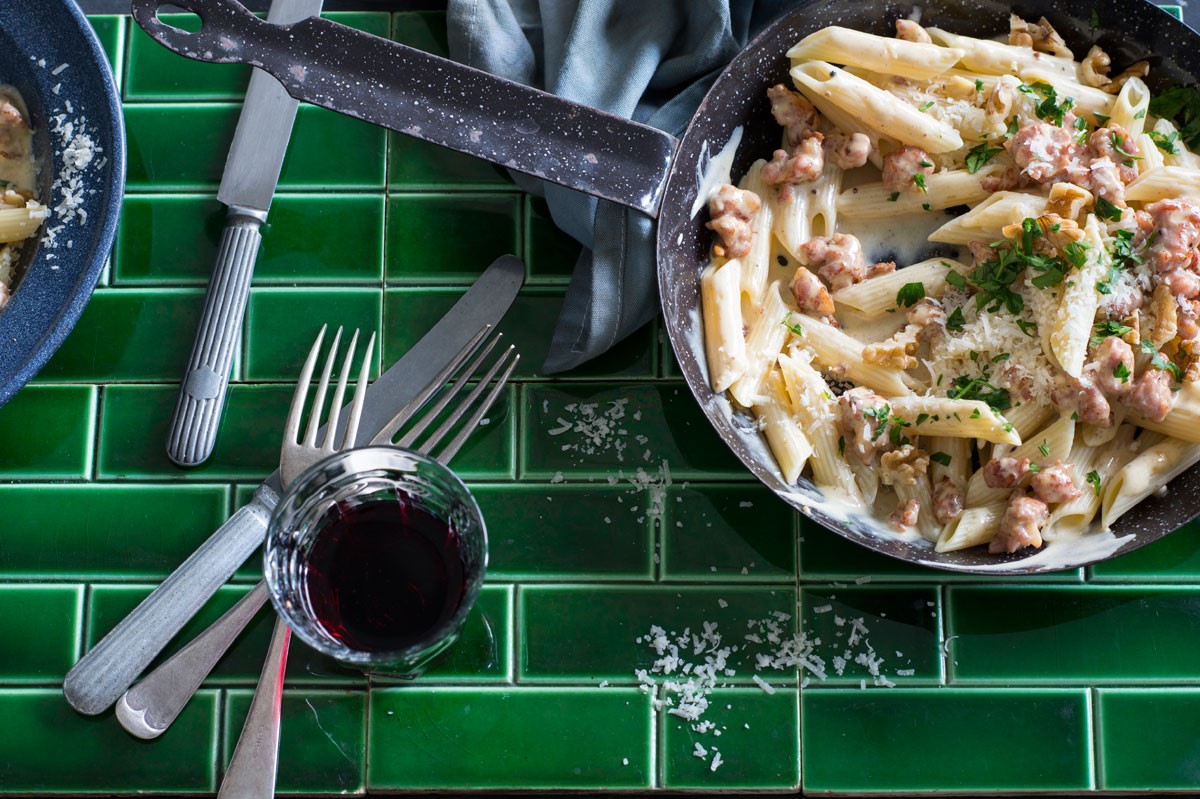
(811,294)
(1174,251)
(1005,472)
(793,112)
(859,411)
(1043,151)
(4,295)
(980,252)
(1055,483)
(1021,525)
(804,165)
(1017,379)
(1116,144)
(848,152)
(911,32)
(906,514)
(879,268)
(1111,368)
(1103,177)
(731,209)
(1151,395)
(839,259)
(948,499)
(900,169)
(1083,398)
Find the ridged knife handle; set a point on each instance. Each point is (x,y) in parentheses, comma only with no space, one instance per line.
(206,379)
(111,666)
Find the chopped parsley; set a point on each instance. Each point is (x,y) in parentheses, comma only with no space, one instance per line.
(792,326)
(975,414)
(1081,127)
(1140,114)
(925,106)
(1105,286)
(1123,253)
(893,196)
(955,279)
(1101,119)
(978,388)
(955,321)
(1121,372)
(979,155)
(922,418)
(1095,22)
(1093,478)
(978,85)
(919,181)
(841,446)
(927,206)
(996,276)
(1181,104)
(910,294)
(1049,109)
(1034,468)
(1028,328)
(1165,141)
(896,432)
(1013,127)
(1160,361)
(1109,328)
(1107,211)
(1119,146)
(1044,448)
(1004,356)
(942,458)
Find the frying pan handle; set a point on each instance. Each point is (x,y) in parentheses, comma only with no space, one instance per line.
(432,98)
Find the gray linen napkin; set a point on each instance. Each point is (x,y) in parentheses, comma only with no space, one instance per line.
(649,60)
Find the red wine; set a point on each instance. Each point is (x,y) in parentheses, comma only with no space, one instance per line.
(383,575)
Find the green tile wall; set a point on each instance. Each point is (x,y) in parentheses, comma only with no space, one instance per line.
(611,507)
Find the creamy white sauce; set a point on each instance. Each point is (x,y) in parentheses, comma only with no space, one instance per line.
(904,239)
(712,171)
(1068,551)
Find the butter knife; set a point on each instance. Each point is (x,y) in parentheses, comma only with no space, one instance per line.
(247,185)
(111,666)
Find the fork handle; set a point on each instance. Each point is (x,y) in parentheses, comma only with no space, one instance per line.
(111,666)
(251,771)
(206,379)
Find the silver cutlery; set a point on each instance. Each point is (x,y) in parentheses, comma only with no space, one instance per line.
(247,185)
(112,665)
(147,709)
(252,769)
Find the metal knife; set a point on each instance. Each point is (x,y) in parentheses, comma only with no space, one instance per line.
(247,185)
(111,666)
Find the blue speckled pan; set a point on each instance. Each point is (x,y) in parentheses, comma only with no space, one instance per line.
(37,38)
(542,135)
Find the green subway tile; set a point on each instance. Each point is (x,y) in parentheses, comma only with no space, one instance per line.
(133,433)
(590,633)
(557,532)
(1148,739)
(182,147)
(243,663)
(481,653)
(1175,11)
(177,147)
(949,740)
(110,30)
(322,739)
(60,751)
(551,253)
(41,623)
(603,430)
(449,238)
(308,239)
(104,531)
(129,334)
(424,30)
(891,631)
(825,555)
(46,432)
(754,743)
(156,73)
(282,324)
(416,165)
(1175,558)
(463,738)
(1079,634)
(668,363)
(722,532)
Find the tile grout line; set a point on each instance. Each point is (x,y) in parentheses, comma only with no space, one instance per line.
(93,455)
(1095,751)
(943,628)
(510,652)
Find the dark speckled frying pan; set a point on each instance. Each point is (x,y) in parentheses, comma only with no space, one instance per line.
(406,90)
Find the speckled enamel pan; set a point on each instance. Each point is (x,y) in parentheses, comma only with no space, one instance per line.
(532,132)
(50,54)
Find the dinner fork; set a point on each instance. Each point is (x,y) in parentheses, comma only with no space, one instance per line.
(252,769)
(147,709)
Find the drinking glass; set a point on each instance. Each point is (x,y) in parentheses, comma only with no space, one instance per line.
(375,557)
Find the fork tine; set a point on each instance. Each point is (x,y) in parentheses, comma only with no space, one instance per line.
(444,400)
(292,428)
(452,448)
(360,396)
(314,413)
(339,393)
(384,436)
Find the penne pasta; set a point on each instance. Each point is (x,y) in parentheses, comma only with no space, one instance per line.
(874,108)
(766,338)
(995,58)
(1164,183)
(939,416)
(986,221)
(1074,516)
(1077,304)
(945,190)
(834,349)
(756,264)
(789,445)
(876,296)
(721,306)
(1130,107)
(975,526)
(1052,444)
(890,56)
(1144,475)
